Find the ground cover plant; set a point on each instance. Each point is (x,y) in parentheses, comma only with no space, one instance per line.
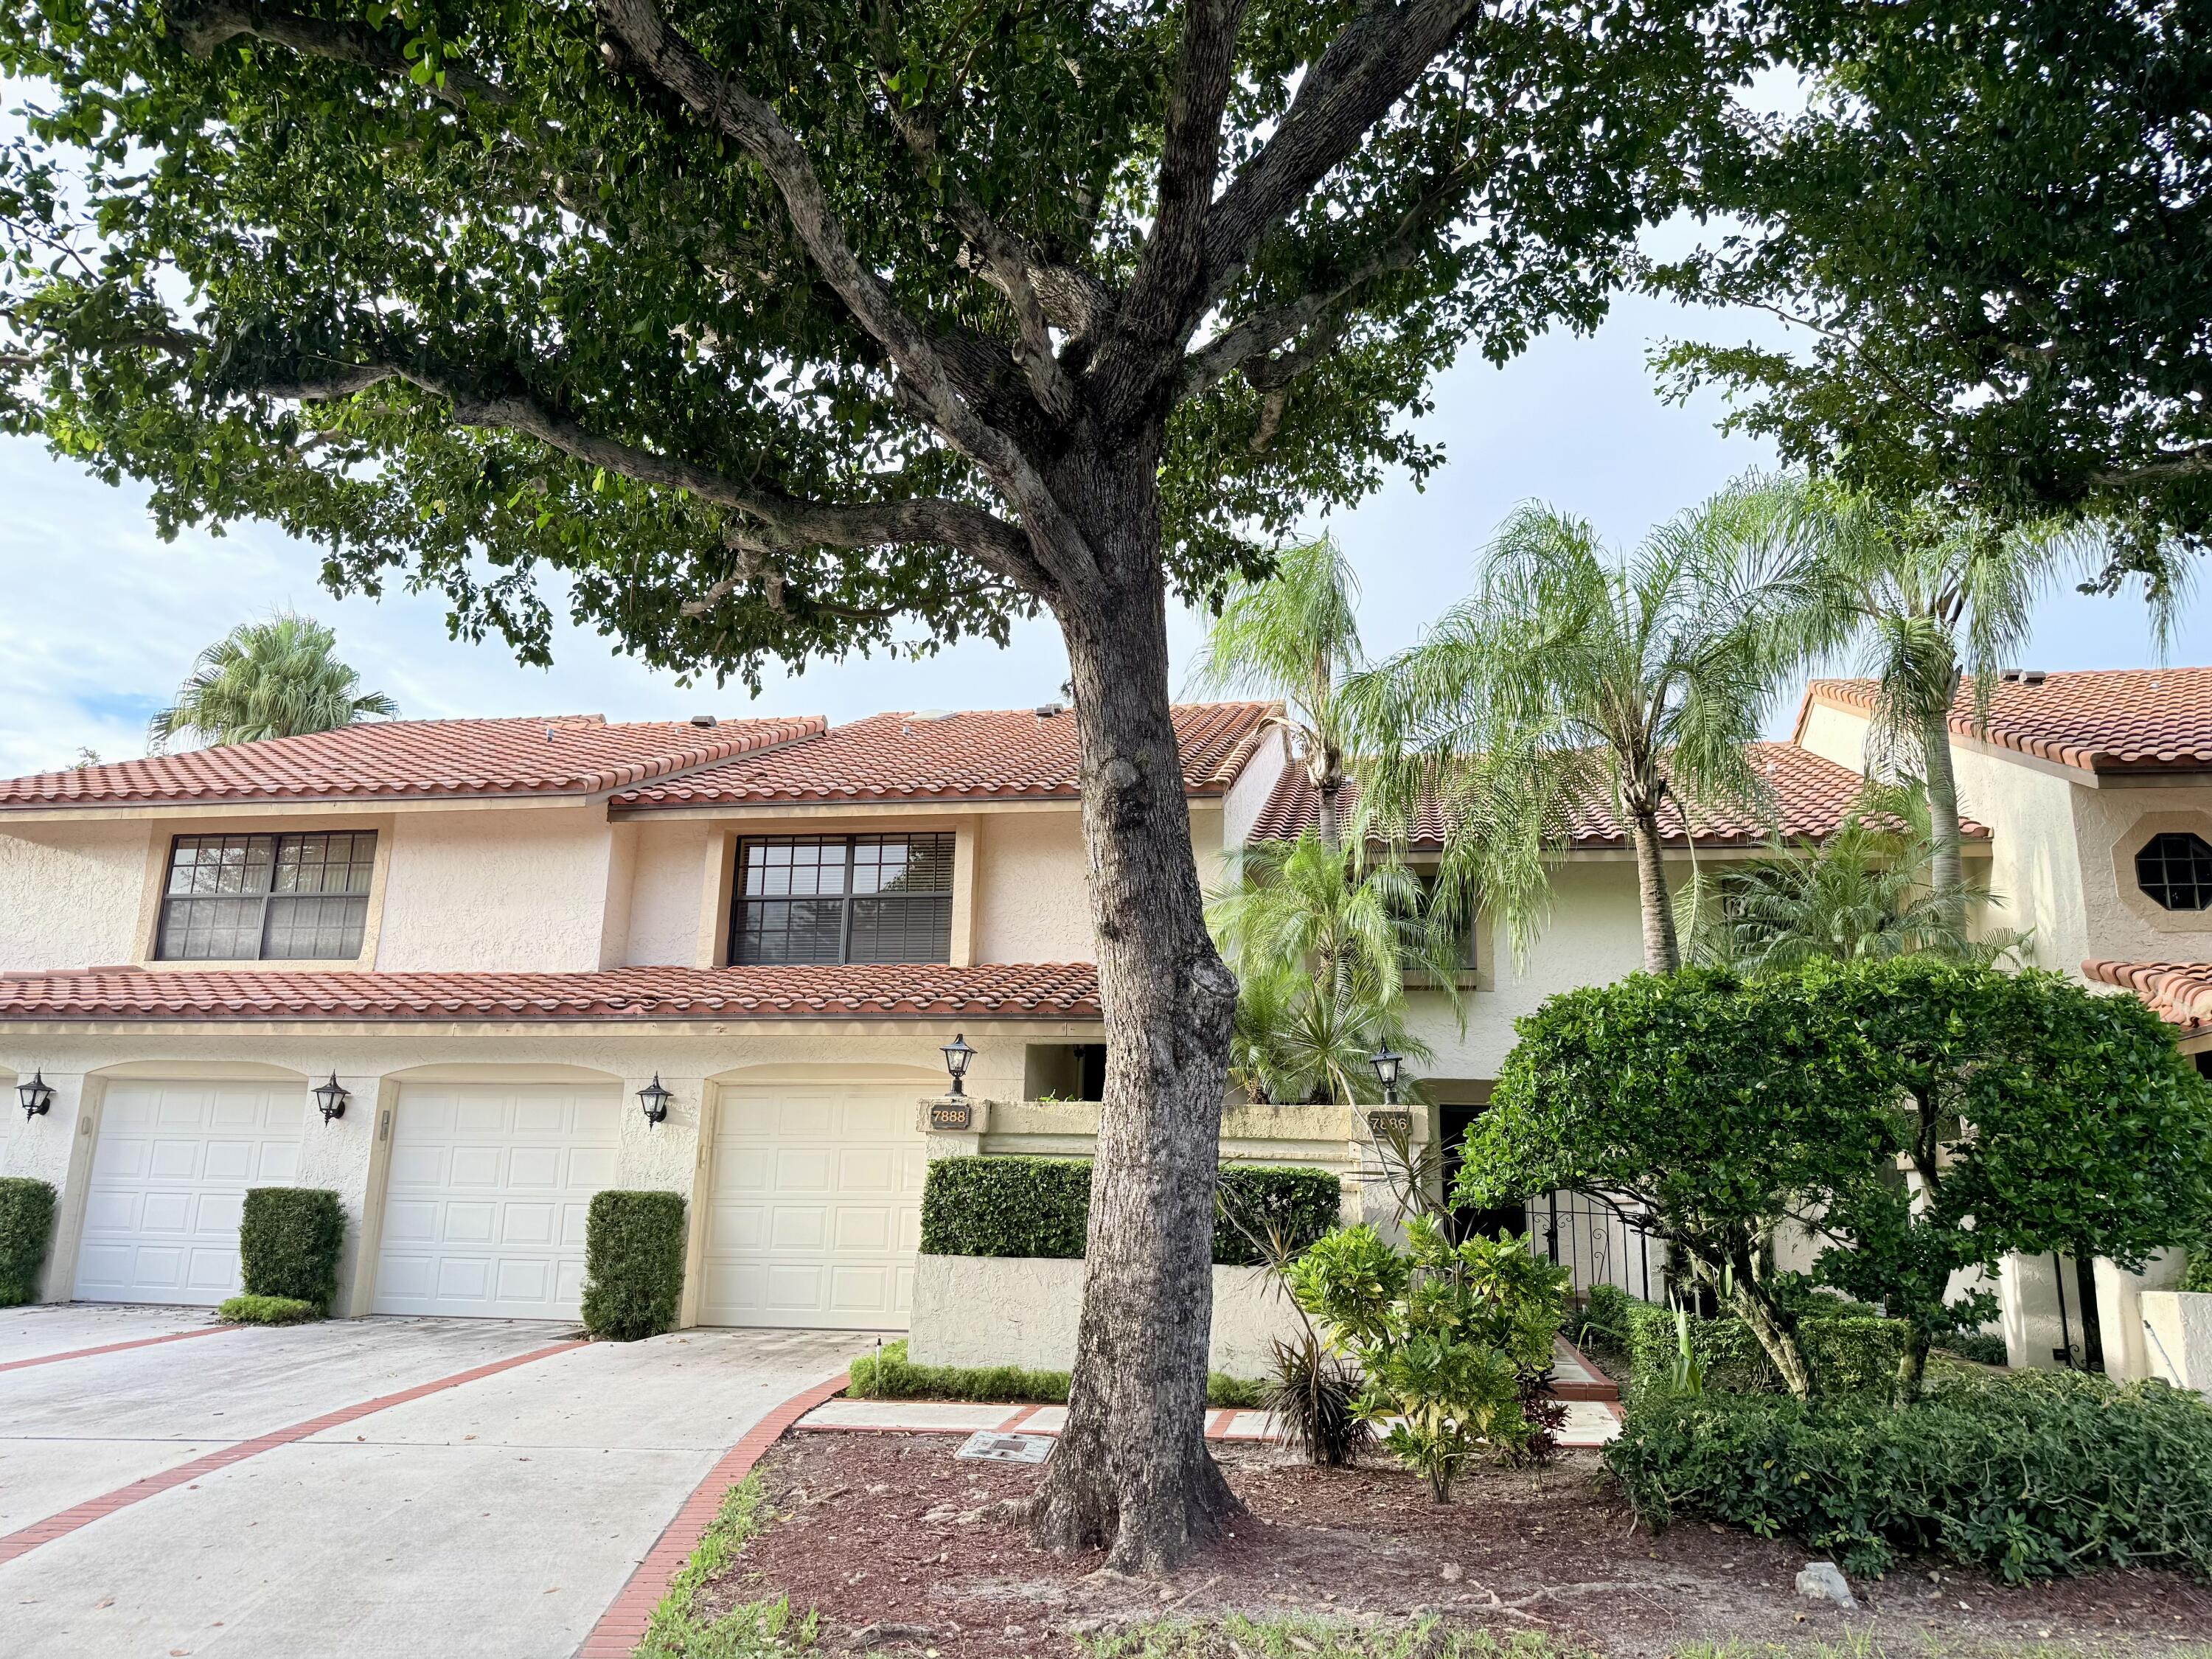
(679,1630)
(888,1374)
(2029,1475)
(268,1311)
(288,1242)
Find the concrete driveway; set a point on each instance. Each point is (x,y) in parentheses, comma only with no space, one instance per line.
(358,1488)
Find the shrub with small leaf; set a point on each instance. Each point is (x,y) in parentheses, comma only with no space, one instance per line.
(1444,1335)
(289,1239)
(26,1221)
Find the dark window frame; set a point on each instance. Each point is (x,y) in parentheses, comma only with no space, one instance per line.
(270,899)
(847,897)
(2171,863)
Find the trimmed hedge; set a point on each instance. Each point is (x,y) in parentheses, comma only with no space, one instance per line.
(2031,1475)
(888,1374)
(26,1222)
(268,1311)
(633,1264)
(1041,1206)
(1846,1353)
(289,1240)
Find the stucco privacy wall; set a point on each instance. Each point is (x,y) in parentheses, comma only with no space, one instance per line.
(348,1156)
(517,890)
(1022,1311)
(70,893)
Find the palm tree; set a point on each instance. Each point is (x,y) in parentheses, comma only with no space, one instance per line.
(1932,594)
(1322,939)
(1573,679)
(1293,637)
(1863,893)
(267,679)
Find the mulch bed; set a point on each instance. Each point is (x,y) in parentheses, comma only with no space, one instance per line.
(883,1536)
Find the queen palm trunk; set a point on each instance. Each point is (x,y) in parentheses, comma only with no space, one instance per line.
(1945,869)
(1132,1473)
(1662,953)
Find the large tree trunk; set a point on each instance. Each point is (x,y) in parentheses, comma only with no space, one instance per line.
(1945,872)
(1131,1473)
(1662,954)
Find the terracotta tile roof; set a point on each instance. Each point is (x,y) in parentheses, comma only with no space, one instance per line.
(2105,721)
(1006,991)
(413,760)
(1811,794)
(2179,992)
(979,754)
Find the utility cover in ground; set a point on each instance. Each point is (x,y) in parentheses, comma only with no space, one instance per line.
(1006,1448)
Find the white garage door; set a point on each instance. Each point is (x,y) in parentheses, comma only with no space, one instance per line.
(814,1206)
(169,1176)
(489,1186)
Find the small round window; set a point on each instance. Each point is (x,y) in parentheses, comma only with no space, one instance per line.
(2175,870)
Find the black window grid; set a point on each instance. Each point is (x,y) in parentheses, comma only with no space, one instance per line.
(827,899)
(266,897)
(2174,870)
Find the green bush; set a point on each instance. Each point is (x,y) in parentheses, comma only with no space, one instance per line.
(1978,1346)
(268,1311)
(289,1240)
(1604,1323)
(2030,1475)
(1041,1206)
(1846,1352)
(2198,1275)
(26,1221)
(633,1264)
(888,1374)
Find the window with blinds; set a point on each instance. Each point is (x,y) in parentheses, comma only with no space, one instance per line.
(239,898)
(842,898)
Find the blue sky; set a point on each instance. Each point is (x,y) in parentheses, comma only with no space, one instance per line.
(100,620)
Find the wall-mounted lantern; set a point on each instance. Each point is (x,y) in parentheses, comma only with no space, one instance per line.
(655,1099)
(958,1054)
(37,1095)
(1386,1060)
(331,1097)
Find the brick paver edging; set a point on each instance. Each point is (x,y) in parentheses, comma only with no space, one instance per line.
(115,1347)
(623,1625)
(68,1521)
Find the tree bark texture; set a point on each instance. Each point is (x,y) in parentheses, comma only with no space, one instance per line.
(1131,1473)
(1944,870)
(1662,954)
(1325,814)
(1775,1331)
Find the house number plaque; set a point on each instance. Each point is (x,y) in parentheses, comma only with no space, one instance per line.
(1389,1121)
(952,1115)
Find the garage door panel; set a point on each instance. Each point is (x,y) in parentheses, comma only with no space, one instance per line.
(814,1206)
(490,1187)
(169,1176)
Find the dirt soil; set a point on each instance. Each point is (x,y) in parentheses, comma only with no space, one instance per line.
(883,1536)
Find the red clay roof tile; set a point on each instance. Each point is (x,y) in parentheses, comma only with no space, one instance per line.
(976,754)
(1811,794)
(413,760)
(2179,992)
(2101,720)
(998,990)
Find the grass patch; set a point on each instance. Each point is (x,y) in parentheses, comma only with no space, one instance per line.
(679,1631)
(887,1374)
(268,1310)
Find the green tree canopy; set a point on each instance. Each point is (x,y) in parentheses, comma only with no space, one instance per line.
(1992,221)
(276,678)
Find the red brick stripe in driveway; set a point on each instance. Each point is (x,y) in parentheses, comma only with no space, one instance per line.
(621,1627)
(115,1347)
(84,1514)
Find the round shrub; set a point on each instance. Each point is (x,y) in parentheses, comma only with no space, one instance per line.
(289,1241)
(633,1264)
(2030,1475)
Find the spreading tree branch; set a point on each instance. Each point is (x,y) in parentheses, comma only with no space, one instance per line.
(201,28)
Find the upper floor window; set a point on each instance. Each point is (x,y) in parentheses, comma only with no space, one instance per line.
(843,898)
(2174,870)
(235,898)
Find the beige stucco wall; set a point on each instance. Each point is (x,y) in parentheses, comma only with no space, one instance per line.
(70,893)
(1022,1311)
(2112,824)
(515,890)
(666,880)
(1032,896)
